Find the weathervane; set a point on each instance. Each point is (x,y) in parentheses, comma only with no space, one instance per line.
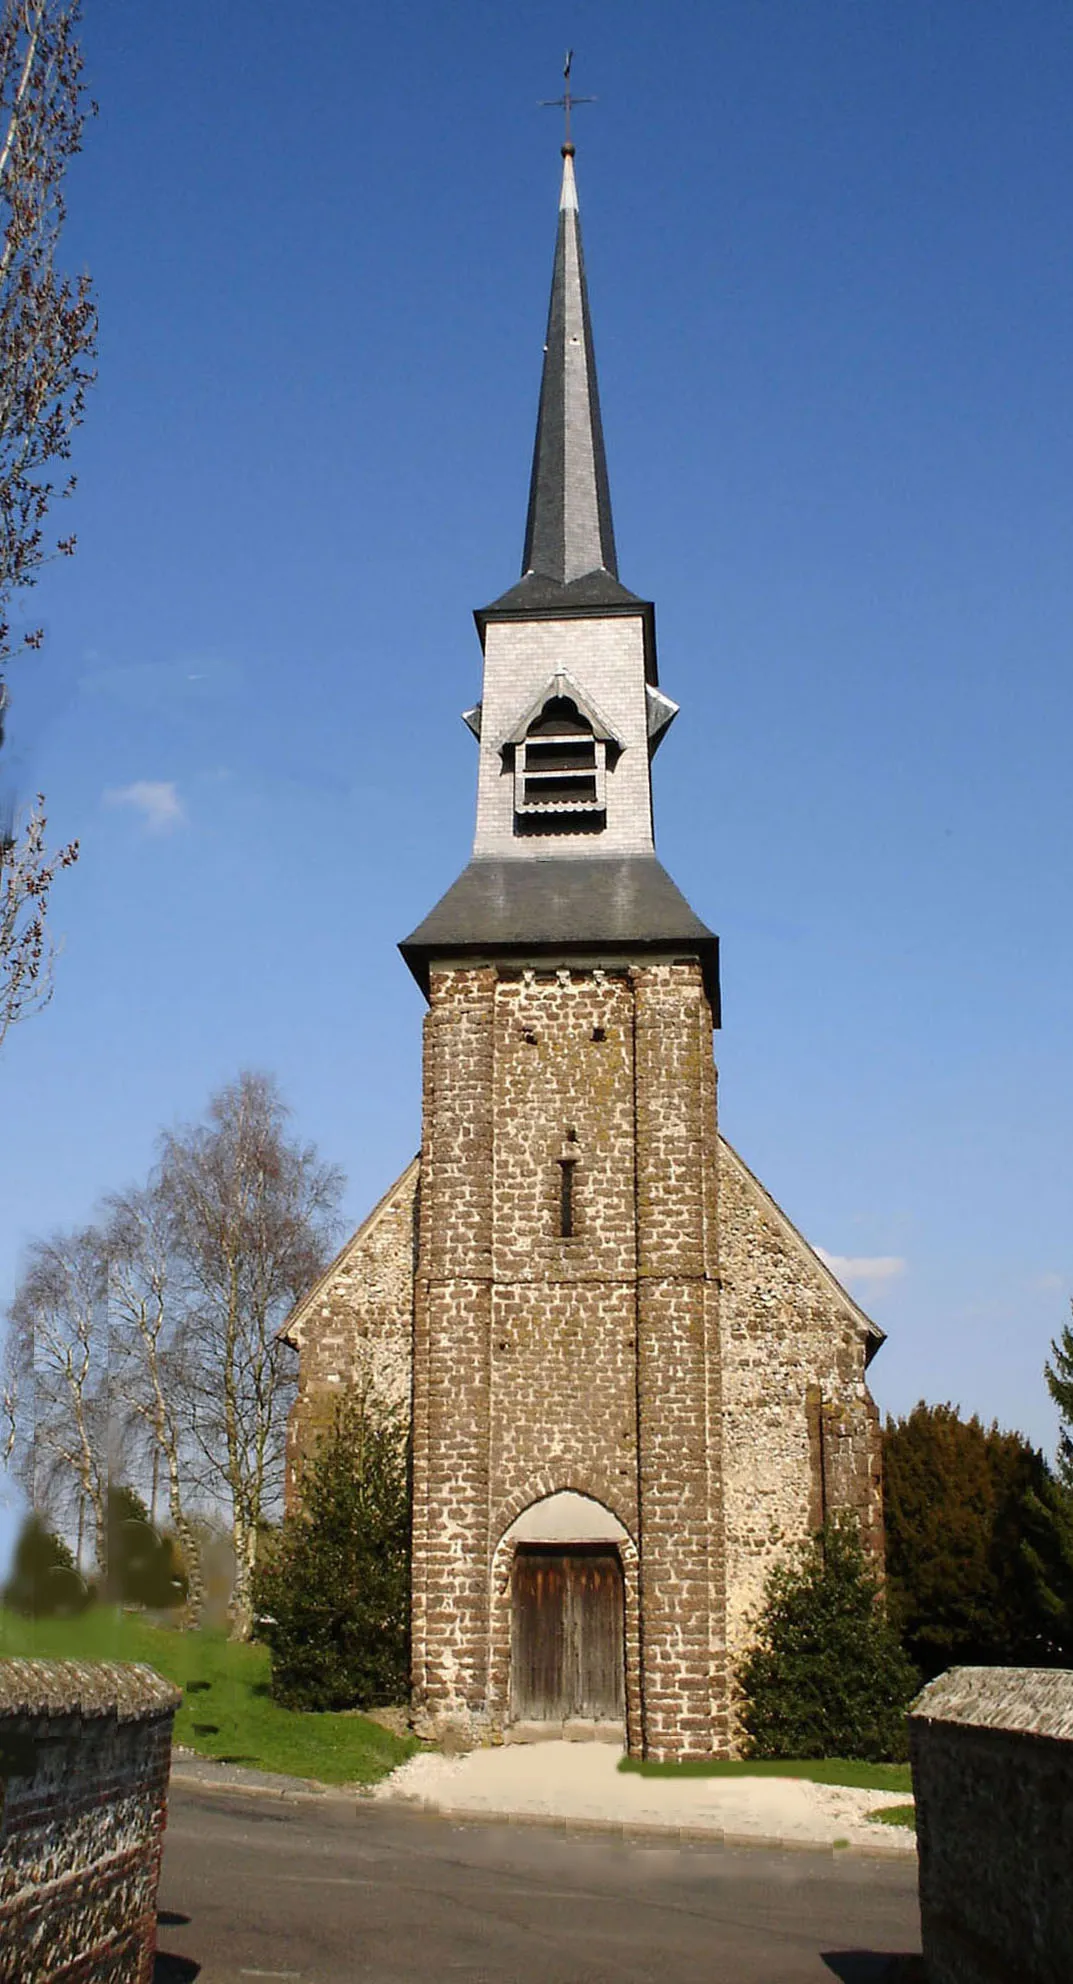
(566,102)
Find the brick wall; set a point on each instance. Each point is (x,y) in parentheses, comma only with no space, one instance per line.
(992,1755)
(85,1750)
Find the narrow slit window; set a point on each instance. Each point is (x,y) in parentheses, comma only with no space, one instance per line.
(566,1197)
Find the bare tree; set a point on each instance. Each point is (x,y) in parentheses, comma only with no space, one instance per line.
(16,1409)
(151,1371)
(48,321)
(27,872)
(252,1214)
(48,343)
(59,1353)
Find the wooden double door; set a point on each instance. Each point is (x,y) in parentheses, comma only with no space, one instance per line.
(567,1640)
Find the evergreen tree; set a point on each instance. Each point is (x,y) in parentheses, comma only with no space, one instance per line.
(1059,1376)
(1048,1543)
(143,1568)
(826,1676)
(1048,1555)
(957,1497)
(334,1594)
(45,1582)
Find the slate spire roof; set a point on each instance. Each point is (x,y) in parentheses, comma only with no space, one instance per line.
(569,557)
(569,532)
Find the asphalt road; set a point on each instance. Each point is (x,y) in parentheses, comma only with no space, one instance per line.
(321,1894)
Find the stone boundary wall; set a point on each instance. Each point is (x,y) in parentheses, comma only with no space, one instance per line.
(992,1756)
(85,1751)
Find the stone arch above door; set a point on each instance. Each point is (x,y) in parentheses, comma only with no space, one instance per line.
(566,1517)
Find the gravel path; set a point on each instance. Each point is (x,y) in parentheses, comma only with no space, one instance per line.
(580,1783)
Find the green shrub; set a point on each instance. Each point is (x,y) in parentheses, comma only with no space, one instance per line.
(333,1595)
(45,1581)
(827,1676)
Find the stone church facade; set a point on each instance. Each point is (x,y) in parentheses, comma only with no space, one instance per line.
(631,1385)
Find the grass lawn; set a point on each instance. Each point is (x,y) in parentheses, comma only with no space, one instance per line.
(226,1711)
(821,1770)
(896,1815)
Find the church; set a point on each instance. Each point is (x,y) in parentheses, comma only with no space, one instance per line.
(632,1386)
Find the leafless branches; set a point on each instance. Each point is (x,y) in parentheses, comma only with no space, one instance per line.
(48,342)
(251,1215)
(27,871)
(147,1346)
(150,1366)
(48,321)
(60,1353)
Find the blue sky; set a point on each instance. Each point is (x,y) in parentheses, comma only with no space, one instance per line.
(830,260)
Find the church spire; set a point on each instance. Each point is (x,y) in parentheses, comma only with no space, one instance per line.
(569,532)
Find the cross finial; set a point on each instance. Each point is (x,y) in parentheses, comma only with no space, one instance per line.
(566,103)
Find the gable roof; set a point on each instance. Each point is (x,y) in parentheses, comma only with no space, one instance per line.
(774,1212)
(292,1330)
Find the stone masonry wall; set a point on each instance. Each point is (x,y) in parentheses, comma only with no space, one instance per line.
(356,1324)
(453,1351)
(683,1600)
(801,1434)
(599,1363)
(85,1751)
(992,1756)
(583,1363)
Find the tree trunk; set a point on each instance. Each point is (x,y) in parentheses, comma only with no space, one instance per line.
(240,1610)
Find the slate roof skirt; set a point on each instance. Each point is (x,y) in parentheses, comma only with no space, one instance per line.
(525,908)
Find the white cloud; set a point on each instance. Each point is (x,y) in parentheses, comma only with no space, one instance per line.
(863,1267)
(157,800)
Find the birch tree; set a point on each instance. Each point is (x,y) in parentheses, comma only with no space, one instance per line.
(151,1374)
(252,1214)
(59,1354)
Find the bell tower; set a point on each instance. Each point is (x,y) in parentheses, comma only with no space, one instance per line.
(569,1538)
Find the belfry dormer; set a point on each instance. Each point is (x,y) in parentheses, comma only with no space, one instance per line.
(561,753)
(571,711)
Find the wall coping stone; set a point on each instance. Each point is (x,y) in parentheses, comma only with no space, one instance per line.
(1026,1701)
(128,1690)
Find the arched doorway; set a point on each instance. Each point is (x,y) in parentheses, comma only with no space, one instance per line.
(567,1641)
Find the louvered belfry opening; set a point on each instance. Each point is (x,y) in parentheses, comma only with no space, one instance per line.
(560,765)
(567,1639)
